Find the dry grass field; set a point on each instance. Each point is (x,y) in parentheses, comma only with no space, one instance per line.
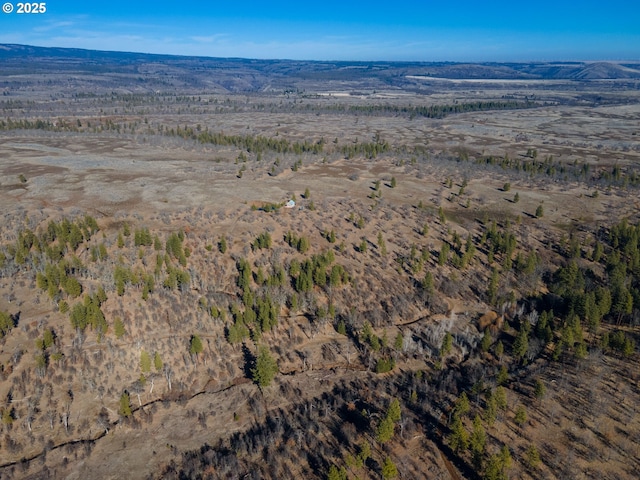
(406,231)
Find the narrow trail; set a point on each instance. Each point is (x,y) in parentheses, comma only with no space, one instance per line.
(236,382)
(453,473)
(329,369)
(454,308)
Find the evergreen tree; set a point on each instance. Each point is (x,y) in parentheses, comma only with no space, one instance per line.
(447,344)
(520,416)
(364,452)
(492,290)
(501,398)
(486,341)
(458,438)
(398,342)
(195,345)
(478,439)
(222,245)
(539,389)
(157,362)
(521,343)
(118,327)
(385,429)
(491,410)
(145,362)
(503,376)
(265,368)
(336,473)
(462,405)
(389,469)
(532,456)
(394,412)
(428,284)
(48,338)
(498,465)
(444,254)
(598,250)
(125,405)
(441,216)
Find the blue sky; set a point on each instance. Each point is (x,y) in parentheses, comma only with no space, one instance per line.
(340,30)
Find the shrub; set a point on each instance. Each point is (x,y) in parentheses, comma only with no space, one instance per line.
(384,365)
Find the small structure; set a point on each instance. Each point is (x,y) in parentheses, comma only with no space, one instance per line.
(290,204)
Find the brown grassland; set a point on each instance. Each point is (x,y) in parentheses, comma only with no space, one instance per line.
(460,266)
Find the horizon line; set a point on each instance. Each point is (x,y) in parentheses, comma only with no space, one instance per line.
(523,61)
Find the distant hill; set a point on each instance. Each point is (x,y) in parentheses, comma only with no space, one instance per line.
(580,71)
(148,72)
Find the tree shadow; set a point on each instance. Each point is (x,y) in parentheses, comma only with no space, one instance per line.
(249,361)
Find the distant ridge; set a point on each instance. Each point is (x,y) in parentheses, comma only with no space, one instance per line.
(493,70)
(140,72)
(606,70)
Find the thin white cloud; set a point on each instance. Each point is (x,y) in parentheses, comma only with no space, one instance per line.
(200,40)
(210,38)
(53,26)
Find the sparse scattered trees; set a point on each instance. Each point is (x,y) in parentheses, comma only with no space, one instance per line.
(68,270)
(262,241)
